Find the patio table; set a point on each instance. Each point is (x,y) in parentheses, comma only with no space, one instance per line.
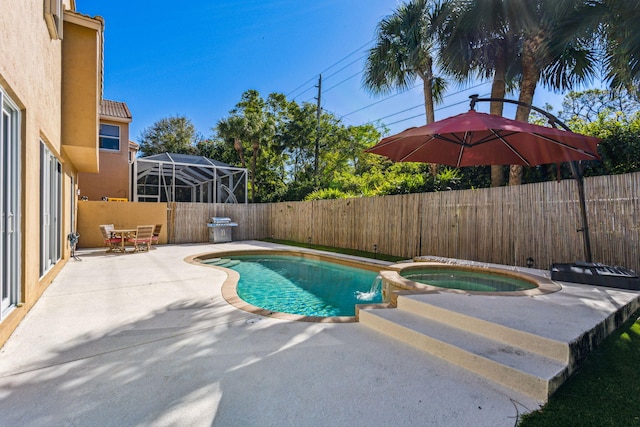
(123,234)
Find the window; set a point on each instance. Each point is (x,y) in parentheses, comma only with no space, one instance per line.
(110,137)
(9,204)
(53,10)
(50,209)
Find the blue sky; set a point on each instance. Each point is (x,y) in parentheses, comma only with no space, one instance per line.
(195,58)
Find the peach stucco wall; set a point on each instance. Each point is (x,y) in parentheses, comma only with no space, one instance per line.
(122,215)
(81,90)
(113,177)
(31,75)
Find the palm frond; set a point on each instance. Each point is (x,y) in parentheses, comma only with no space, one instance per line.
(402,51)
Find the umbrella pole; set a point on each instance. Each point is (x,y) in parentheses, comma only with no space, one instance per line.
(575,171)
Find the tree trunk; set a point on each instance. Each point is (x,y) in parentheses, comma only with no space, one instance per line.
(530,77)
(255,146)
(237,144)
(498,91)
(427,91)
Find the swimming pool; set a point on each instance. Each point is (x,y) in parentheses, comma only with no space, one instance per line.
(300,284)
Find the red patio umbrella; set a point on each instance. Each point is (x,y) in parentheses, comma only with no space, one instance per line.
(476,139)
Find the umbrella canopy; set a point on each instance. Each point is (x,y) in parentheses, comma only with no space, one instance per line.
(476,139)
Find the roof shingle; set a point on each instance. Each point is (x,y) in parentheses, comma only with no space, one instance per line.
(115,109)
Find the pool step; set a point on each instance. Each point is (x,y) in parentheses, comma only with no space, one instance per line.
(221,262)
(507,361)
(211,260)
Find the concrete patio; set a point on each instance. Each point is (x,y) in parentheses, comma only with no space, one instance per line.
(147,339)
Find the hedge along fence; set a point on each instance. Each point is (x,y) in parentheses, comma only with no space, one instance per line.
(504,225)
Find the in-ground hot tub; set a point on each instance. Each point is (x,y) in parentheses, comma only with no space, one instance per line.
(427,277)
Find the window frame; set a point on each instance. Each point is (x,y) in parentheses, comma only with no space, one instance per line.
(109,137)
(53,16)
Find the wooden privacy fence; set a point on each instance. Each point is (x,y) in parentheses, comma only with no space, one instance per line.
(504,225)
(187,222)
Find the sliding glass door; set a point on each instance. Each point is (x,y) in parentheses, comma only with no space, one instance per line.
(50,209)
(9,204)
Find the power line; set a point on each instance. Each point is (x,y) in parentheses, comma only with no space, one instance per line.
(311,79)
(444,97)
(416,106)
(330,67)
(395,114)
(343,59)
(402,111)
(346,66)
(343,81)
(419,115)
(399,121)
(306,90)
(374,103)
(382,100)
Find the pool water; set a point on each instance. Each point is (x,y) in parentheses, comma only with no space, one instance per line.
(467,280)
(297,285)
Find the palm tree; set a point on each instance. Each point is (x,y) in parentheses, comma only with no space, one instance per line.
(488,36)
(247,122)
(403,51)
(554,53)
(232,129)
(477,40)
(621,42)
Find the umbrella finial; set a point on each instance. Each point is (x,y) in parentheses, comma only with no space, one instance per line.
(474,99)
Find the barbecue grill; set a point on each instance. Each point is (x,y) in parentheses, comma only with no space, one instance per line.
(220,229)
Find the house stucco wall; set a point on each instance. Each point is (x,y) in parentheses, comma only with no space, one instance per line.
(81,90)
(126,215)
(114,165)
(31,75)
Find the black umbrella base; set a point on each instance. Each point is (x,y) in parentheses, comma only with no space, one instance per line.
(591,273)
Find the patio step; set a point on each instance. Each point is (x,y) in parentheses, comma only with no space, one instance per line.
(527,341)
(521,369)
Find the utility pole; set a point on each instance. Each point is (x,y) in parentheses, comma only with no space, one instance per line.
(317,153)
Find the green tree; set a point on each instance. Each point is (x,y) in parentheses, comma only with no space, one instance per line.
(341,150)
(603,114)
(297,136)
(248,123)
(169,135)
(285,160)
(614,119)
(620,145)
(590,104)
